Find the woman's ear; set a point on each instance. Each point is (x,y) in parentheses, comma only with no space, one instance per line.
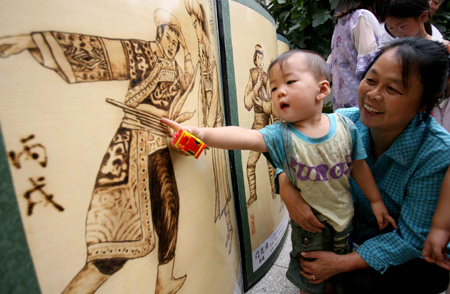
(423,17)
(324,90)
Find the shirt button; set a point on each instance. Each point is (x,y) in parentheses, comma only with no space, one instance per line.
(306,240)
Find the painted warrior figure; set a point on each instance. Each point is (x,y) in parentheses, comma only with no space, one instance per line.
(135,194)
(257,94)
(211,114)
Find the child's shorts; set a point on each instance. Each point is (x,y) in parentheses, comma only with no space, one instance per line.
(302,241)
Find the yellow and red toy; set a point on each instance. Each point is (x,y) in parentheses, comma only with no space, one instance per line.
(188,143)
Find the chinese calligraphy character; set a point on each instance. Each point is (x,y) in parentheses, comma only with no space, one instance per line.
(38,186)
(34,152)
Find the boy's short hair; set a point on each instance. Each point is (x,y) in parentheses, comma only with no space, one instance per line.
(316,63)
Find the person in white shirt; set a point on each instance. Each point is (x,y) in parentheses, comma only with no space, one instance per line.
(434,6)
(410,18)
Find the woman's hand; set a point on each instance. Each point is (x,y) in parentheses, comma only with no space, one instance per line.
(299,211)
(325,264)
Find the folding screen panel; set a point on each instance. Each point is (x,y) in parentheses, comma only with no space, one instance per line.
(283,44)
(249,45)
(93,200)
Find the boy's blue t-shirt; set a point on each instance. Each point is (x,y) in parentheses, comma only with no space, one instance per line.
(319,167)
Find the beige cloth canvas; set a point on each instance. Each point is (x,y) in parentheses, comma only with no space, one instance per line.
(85,169)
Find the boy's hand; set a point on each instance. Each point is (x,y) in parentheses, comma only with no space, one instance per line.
(176,126)
(382,215)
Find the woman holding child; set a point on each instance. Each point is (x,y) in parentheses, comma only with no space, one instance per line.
(408,155)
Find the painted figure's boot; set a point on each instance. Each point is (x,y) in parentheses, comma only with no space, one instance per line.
(228,242)
(87,281)
(251,177)
(272,181)
(165,282)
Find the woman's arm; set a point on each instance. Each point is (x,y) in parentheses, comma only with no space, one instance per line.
(439,236)
(418,197)
(327,264)
(299,211)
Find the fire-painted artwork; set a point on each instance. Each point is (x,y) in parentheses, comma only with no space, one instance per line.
(107,206)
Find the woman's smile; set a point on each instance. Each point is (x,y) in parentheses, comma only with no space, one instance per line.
(371,110)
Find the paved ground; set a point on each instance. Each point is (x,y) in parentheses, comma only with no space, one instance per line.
(275,281)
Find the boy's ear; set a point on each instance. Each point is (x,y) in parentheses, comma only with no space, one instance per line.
(324,90)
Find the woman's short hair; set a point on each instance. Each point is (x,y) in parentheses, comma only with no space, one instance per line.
(427,59)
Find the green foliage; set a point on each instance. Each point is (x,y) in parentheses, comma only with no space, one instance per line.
(307,24)
(441,19)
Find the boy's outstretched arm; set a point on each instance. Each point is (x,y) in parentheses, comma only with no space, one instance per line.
(438,238)
(363,176)
(231,138)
